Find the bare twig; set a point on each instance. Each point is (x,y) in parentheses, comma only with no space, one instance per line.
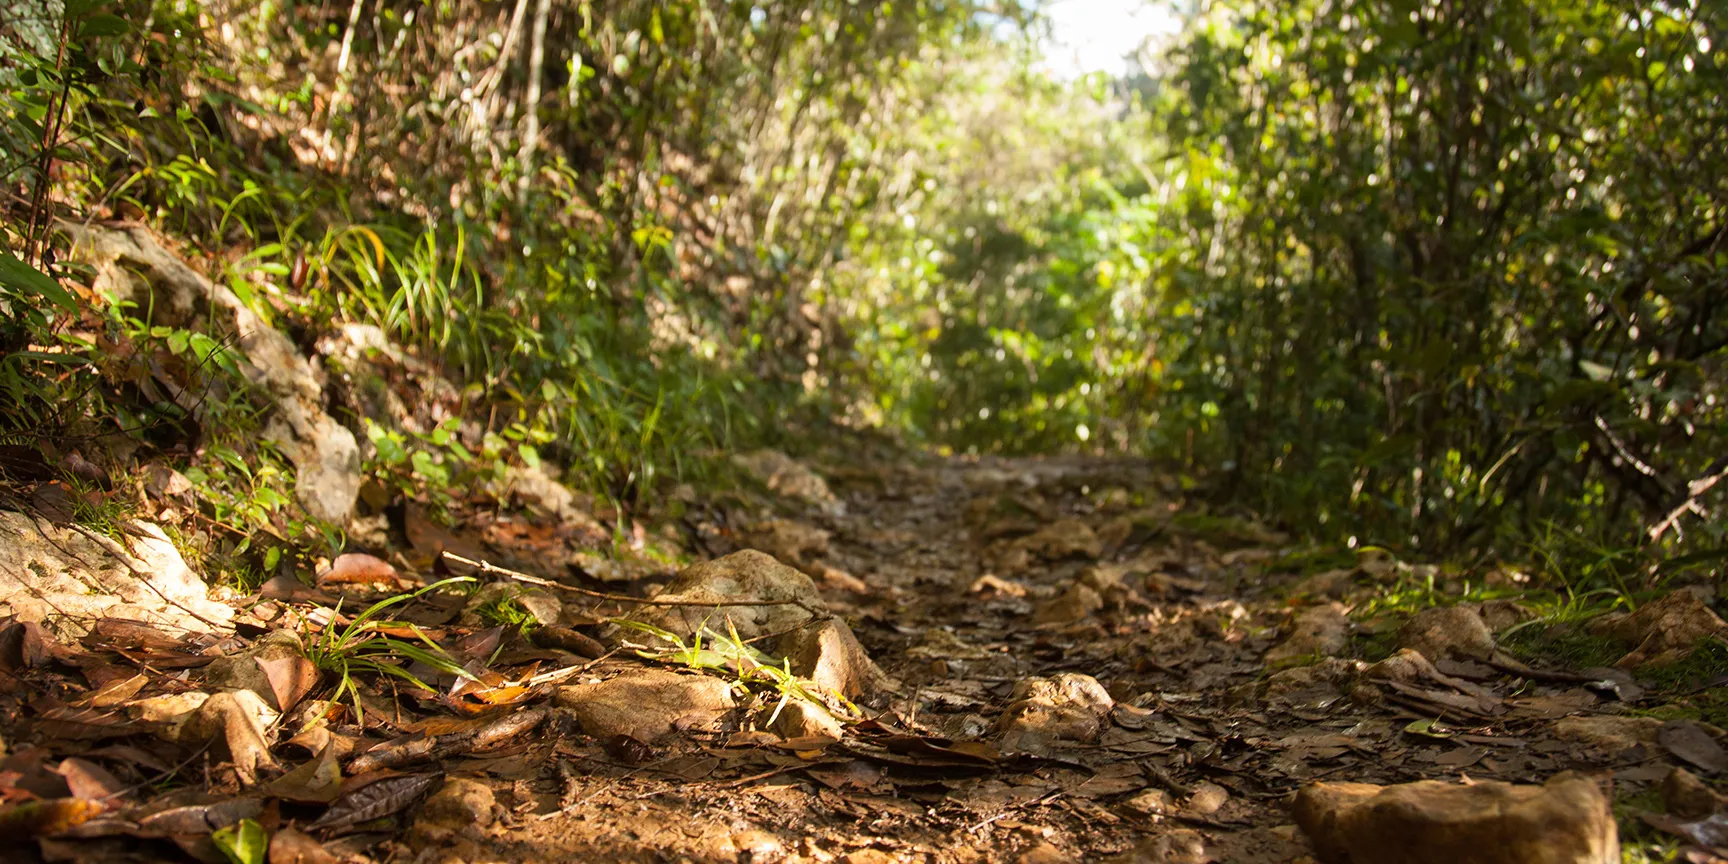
(1694,491)
(450,744)
(493,569)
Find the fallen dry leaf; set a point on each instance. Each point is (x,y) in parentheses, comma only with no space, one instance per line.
(291,678)
(89,781)
(411,748)
(358,568)
(1689,742)
(199,818)
(364,800)
(118,691)
(45,818)
(25,645)
(318,781)
(239,718)
(88,724)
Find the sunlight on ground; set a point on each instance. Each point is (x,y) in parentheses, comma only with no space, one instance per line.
(1097,35)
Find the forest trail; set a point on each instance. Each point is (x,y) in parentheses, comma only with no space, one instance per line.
(970,581)
(901,658)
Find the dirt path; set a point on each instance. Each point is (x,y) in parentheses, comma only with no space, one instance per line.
(1071,663)
(978,576)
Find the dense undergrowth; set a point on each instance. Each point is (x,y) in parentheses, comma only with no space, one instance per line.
(598,221)
(1444,277)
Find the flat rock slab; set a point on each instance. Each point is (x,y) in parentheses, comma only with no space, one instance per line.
(63,575)
(647,705)
(1564,821)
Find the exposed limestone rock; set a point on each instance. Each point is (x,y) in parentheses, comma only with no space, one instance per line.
(823,650)
(460,801)
(1208,798)
(1448,633)
(537,488)
(1153,804)
(1045,711)
(826,652)
(1180,846)
(1318,684)
(1610,732)
(1315,632)
(240,670)
(647,705)
(1564,821)
(1688,797)
(745,575)
(64,575)
(789,477)
(1331,585)
(1502,614)
(1664,631)
(1044,853)
(801,719)
(132,264)
(1072,605)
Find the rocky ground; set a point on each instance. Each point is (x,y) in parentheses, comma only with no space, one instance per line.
(900,660)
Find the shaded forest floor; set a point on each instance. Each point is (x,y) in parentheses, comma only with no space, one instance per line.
(1069,663)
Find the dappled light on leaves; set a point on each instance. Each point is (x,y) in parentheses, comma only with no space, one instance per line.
(863,431)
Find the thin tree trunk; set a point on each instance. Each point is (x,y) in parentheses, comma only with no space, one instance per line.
(536,63)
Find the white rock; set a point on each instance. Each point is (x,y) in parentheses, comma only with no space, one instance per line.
(131,264)
(61,575)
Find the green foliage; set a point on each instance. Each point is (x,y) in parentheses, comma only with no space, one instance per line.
(506,612)
(1466,259)
(1431,276)
(361,645)
(244,842)
(726,652)
(1436,277)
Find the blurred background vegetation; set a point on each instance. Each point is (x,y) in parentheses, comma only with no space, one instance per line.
(1442,276)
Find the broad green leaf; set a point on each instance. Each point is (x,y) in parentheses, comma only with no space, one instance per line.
(20,276)
(103,25)
(244,842)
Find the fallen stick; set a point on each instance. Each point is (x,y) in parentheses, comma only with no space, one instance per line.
(390,755)
(493,569)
